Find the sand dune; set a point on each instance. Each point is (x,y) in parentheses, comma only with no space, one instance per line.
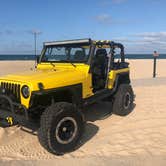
(137,139)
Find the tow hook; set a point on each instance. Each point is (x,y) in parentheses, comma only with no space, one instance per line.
(10,120)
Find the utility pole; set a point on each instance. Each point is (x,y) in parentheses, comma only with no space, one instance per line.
(35,33)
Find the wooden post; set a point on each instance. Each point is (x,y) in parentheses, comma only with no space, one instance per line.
(154,67)
(155,55)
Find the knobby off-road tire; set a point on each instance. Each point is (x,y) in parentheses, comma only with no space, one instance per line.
(123,100)
(61,128)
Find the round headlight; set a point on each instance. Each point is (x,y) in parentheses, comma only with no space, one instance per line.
(25,91)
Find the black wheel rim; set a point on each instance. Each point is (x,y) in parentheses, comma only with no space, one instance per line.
(66,130)
(127,100)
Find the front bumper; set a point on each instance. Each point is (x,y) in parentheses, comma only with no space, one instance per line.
(18,112)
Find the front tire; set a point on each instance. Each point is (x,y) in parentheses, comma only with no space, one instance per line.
(61,128)
(123,100)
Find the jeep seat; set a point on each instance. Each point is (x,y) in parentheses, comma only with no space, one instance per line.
(100,68)
(79,55)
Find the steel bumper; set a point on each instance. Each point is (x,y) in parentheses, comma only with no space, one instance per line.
(18,112)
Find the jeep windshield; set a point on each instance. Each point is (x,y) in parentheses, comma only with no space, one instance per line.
(71,53)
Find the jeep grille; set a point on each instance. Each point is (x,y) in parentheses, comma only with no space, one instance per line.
(12,88)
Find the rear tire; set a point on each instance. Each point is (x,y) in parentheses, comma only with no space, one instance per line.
(123,100)
(61,128)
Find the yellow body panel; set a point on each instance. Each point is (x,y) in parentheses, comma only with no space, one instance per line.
(58,75)
(113,74)
(53,77)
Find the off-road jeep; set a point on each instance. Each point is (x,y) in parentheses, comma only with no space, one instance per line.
(69,75)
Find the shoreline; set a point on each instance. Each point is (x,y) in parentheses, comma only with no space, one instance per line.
(139,68)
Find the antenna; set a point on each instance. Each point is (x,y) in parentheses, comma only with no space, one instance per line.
(35,33)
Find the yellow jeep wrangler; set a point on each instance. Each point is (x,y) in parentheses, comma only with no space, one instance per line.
(69,75)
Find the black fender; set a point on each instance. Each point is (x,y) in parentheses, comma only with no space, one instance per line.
(71,94)
(123,78)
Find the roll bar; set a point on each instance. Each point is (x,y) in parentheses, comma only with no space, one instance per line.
(121,47)
(113,45)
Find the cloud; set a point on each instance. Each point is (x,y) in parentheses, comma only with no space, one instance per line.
(146,37)
(145,42)
(152,36)
(107,19)
(104,18)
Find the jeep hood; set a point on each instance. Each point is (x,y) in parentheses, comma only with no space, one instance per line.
(50,78)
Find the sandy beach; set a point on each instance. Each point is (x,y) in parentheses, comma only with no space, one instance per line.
(137,139)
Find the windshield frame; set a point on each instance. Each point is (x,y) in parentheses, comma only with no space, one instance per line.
(86,61)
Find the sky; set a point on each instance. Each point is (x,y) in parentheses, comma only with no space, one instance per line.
(139,25)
